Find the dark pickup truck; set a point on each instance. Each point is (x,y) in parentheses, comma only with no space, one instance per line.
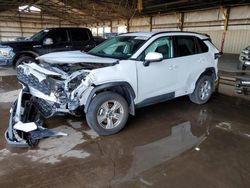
(43,42)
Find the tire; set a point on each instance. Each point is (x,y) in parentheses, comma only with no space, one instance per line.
(100,116)
(25,59)
(203,90)
(241,66)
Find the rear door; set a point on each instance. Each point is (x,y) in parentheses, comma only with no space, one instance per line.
(191,59)
(81,39)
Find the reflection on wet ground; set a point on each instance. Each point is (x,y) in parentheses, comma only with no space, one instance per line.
(172,144)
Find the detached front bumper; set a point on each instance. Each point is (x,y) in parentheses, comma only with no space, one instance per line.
(26,123)
(11,134)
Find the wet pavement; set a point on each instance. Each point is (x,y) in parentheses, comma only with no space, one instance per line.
(172,144)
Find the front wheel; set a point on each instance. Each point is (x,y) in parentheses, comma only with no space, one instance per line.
(203,90)
(107,113)
(25,59)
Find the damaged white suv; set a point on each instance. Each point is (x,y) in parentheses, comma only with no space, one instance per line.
(109,82)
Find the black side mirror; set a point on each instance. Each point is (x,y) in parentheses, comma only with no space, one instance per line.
(146,63)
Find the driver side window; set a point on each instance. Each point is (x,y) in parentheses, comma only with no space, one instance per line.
(59,36)
(163,45)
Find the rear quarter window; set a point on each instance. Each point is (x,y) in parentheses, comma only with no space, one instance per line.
(203,48)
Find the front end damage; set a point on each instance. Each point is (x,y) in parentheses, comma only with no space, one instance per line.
(26,123)
(48,90)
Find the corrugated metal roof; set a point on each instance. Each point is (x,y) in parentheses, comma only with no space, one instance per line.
(86,11)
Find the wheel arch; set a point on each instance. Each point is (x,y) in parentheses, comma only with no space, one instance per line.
(210,71)
(25,53)
(122,88)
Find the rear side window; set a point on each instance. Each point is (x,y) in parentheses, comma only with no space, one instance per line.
(185,45)
(202,46)
(79,35)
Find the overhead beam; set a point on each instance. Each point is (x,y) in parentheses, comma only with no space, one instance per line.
(139,6)
(226,14)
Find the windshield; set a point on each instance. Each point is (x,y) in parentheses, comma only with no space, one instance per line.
(39,36)
(120,47)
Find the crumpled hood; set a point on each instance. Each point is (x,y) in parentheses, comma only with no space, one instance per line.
(74,57)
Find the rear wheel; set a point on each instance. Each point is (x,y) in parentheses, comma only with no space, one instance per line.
(203,90)
(107,113)
(25,59)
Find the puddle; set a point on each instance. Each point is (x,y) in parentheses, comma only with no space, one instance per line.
(159,151)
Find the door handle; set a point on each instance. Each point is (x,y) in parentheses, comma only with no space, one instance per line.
(68,46)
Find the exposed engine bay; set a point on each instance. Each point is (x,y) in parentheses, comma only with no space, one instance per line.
(48,90)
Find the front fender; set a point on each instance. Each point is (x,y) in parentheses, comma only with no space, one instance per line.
(130,94)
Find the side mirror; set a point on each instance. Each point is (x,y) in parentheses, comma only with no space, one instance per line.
(48,41)
(152,57)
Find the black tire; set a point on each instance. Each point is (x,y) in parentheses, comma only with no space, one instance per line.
(95,109)
(196,96)
(25,59)
(241,66)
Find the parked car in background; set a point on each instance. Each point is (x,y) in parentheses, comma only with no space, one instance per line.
(46,41)
(110,81)
(99,39)
(110,35)
(244,59)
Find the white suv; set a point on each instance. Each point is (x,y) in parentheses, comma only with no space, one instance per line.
(109,82)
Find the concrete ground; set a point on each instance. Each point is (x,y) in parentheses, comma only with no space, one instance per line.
(172,144)
(228,62)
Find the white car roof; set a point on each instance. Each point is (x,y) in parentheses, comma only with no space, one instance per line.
(150,34)
(140,34)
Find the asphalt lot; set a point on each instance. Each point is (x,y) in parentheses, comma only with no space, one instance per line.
(172,144)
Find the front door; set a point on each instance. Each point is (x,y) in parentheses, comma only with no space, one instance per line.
(60,40)
(159,79)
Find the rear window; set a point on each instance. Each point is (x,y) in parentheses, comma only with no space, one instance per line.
(79,35)
(202,46)
(185,45)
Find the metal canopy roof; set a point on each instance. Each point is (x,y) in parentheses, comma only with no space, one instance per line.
(93,11)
